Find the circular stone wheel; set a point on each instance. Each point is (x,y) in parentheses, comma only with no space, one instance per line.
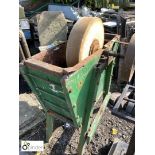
(86,37)
(128,66)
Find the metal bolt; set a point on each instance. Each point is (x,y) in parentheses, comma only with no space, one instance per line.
(70,90)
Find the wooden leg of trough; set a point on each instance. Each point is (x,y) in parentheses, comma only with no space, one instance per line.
(83,136)
(82,142)
(49,125)
(87,117)
(88,129)
(97,118)
(88,111)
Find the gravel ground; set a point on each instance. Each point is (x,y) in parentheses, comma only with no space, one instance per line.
(64,141)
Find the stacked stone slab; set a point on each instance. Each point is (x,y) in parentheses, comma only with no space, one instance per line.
(52,28)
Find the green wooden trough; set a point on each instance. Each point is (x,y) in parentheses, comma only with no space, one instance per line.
(77,94)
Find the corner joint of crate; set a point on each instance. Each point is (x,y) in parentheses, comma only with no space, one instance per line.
(64,79)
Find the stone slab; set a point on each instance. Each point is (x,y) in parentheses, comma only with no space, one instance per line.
(30,112)
(52,27)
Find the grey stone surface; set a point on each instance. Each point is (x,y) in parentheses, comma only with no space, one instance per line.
(52,27)
(30,113)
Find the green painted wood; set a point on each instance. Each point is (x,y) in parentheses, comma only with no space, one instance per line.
(101,84)
(57,101)
(48,86)
(109,70)
(88,109)
(97,119)
(94,91)
(46,76)
(77,86)
(57,109)
(49,126)
(73,96)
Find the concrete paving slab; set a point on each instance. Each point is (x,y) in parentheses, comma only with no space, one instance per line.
(30,112)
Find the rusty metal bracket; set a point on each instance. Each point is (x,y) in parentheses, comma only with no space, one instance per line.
(112,53)
(103,62)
